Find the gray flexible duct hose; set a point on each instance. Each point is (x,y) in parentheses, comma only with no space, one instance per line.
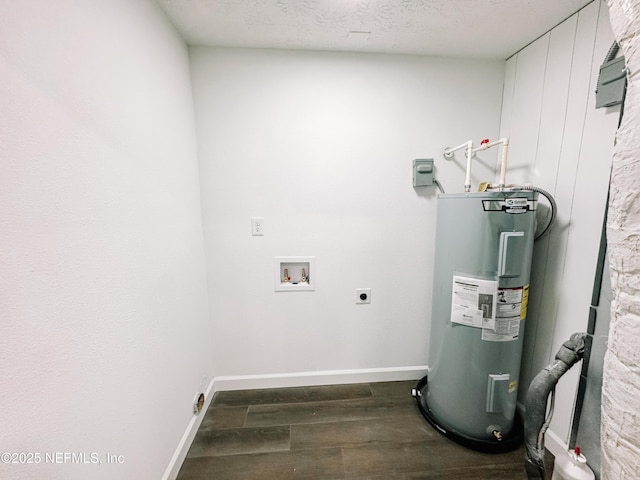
(544,382)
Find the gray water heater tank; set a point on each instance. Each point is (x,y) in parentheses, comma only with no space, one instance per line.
(484,246)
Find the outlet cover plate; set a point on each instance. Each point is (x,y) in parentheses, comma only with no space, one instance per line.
(257,226)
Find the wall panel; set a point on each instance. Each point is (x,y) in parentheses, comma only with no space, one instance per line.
(568,149)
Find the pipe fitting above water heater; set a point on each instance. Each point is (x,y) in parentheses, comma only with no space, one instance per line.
(470,151)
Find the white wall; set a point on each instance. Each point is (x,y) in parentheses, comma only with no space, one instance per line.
(561,143)
(321,146)
(104,330)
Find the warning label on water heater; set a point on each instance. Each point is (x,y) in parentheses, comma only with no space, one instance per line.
(473,302)
(510,310)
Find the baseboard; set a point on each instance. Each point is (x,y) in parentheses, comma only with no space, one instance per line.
(185,442)
(554,443)
(329,377)
(298,379)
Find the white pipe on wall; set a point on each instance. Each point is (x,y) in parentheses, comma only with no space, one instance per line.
(448,152)
(470,151)
(503,164)
(467,179)
(468,146)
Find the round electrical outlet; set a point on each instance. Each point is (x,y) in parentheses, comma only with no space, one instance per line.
(363,295)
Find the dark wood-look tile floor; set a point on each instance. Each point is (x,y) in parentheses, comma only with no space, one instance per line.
(360,431)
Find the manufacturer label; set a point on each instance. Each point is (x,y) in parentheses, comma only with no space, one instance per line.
(516,202)
(509,205)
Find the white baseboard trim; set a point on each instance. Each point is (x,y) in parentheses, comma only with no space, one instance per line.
(554,443)
(328,377)
(185,442)
(279,380)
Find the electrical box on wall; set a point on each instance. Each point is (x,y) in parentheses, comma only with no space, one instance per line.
(423,172)
(294,274)
(612,83)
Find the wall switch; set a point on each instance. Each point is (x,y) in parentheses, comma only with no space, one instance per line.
(363,295)
(257,227)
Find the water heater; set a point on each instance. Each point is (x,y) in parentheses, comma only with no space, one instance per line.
(484,246)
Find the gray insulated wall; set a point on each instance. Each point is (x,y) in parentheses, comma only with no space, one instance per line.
(484,247)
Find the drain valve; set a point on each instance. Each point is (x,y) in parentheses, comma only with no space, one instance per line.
(198,403)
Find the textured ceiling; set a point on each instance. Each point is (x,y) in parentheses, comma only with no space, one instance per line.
(453,28)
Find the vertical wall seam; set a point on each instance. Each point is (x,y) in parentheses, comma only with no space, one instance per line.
(535,159)
(555,188)
(510,122)
(544,87)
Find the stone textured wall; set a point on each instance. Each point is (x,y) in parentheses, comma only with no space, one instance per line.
(621,383)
